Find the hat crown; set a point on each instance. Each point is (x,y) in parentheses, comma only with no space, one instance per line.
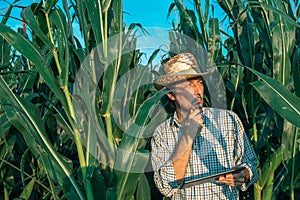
(183,66)
(180,62)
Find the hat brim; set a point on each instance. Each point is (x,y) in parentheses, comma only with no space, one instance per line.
(165,80)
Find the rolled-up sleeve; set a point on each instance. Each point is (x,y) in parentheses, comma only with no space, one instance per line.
(164,174)
(248,156)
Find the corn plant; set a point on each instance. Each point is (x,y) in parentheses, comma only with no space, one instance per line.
(56,142)
(259,63)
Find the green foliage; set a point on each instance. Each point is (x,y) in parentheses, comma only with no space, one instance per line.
(51,131)
(260,67)
(52,126)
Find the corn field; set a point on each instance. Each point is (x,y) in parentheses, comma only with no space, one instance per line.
(62,125)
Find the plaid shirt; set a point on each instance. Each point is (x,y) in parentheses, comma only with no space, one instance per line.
(221,145)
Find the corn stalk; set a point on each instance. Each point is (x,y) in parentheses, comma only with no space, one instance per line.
(265,42)
(37,101)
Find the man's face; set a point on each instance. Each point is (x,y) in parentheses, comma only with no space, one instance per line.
(188,94)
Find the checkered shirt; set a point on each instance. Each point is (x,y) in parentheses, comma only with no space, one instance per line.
(221,145)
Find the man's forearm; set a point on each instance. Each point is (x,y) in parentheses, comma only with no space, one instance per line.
(191,125)
(182,156)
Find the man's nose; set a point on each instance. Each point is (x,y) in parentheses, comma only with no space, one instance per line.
(197,89)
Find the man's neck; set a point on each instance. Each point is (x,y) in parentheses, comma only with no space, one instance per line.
(180,115)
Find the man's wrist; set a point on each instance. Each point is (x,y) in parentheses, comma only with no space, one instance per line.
(187,138)
(192,131)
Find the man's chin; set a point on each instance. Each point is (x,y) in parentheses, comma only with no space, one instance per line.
(198,105)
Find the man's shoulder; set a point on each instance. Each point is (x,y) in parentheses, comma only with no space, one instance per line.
(167,122)
(220,113)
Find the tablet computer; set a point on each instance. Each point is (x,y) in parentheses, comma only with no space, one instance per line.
(210,178)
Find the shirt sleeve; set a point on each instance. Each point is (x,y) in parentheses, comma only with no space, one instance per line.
(164,174)
(247,155)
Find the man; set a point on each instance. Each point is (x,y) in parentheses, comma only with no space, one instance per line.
(198,141)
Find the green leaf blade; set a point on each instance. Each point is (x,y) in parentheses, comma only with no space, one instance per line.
(278,97)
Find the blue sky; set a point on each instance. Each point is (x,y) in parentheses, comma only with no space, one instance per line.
(153,13)
(150,13)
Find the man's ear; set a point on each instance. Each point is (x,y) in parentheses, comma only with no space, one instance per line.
(171,96)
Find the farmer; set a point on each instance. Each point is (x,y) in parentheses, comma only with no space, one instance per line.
(198,141)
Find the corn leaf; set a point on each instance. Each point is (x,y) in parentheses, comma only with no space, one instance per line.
(229,6)
(98,184)
(269,167)
(143,190)
(289,140)
(5,56)
(25,117)
(128,159)
(30,20)
(27,190)
(296,70)
(278,97)
(84,26)
(6,149)
(57,19)
(49,5)
(188,23)
(283,35)
(83,100)
(214,38)
(94,10)
(7,14)
(262,24)
(32,52)
(279,11)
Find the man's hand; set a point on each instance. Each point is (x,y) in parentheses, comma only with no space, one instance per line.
(193,123)
(191,127)
(235,179)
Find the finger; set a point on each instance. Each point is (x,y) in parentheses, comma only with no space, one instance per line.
(225,181)
(193,116)
(195,113)
(231,180)
(196,116)
(238,178)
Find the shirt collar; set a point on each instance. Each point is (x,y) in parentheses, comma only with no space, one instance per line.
(174,120)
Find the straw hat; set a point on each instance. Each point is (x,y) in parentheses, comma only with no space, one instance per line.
(180,67)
